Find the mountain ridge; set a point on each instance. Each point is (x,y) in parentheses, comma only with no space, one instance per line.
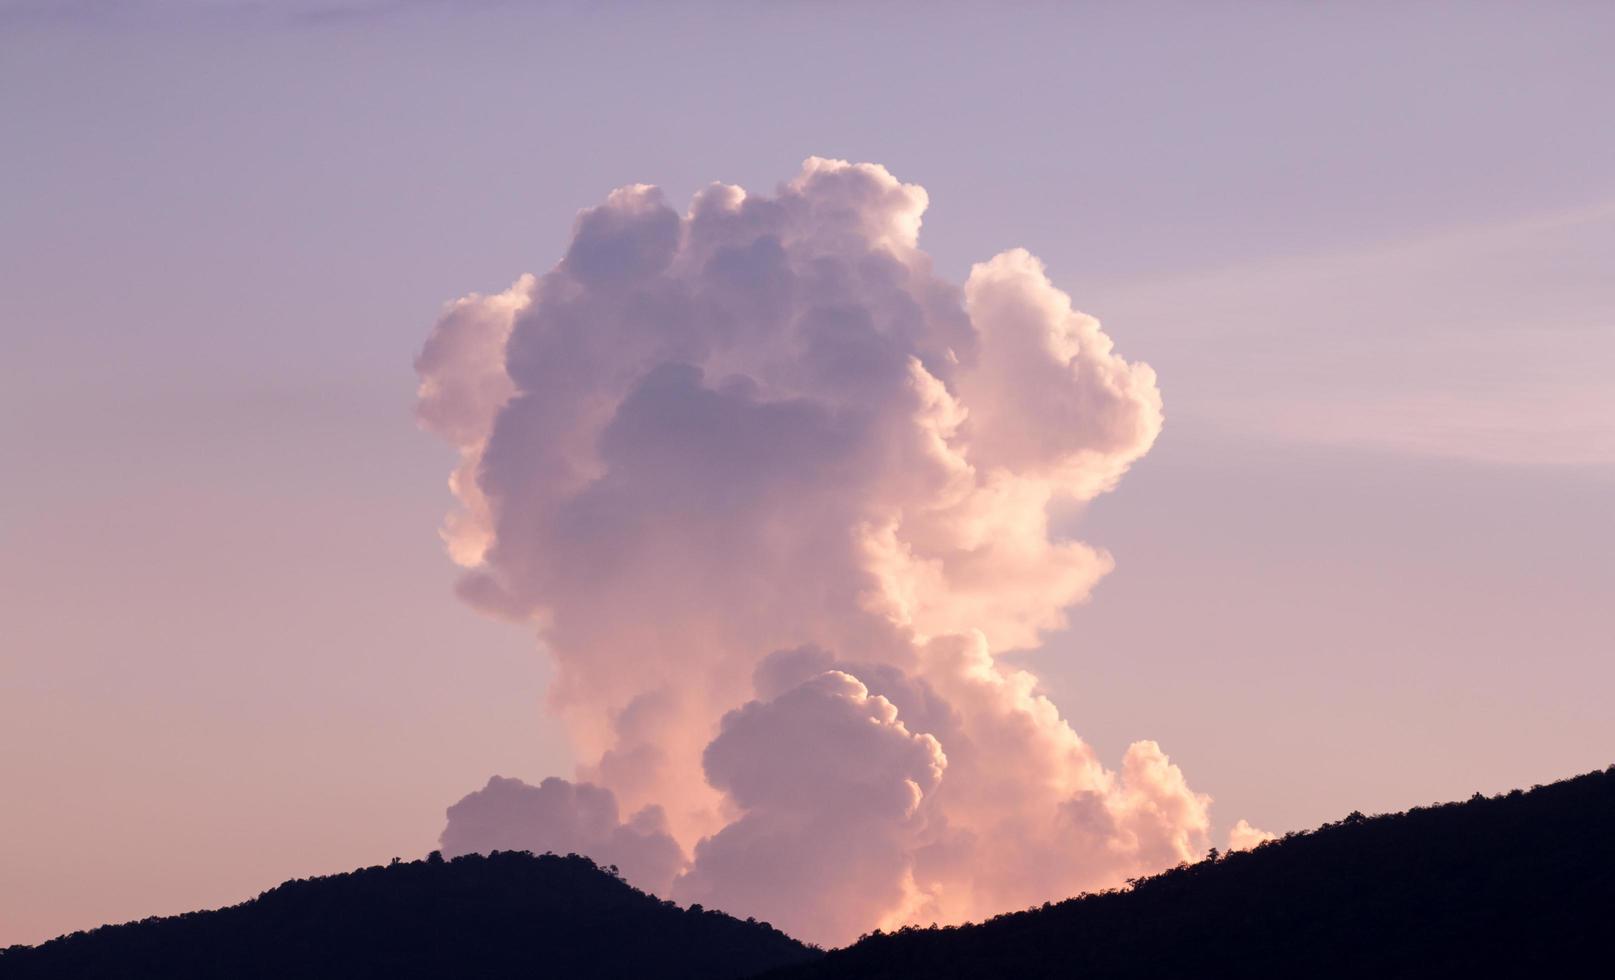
(1522,883)
(503,914)
(1519,884)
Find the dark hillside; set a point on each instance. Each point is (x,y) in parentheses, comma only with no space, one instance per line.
(1515,885)
(1521,885)
(507,915)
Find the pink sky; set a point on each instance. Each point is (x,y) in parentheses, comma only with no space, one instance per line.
(1365,565)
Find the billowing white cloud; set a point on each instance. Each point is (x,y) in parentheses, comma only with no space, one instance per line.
(1243,837)
(774,496)
(828,783)
(463,387)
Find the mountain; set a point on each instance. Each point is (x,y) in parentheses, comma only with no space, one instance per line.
(506,915)
(1520,885)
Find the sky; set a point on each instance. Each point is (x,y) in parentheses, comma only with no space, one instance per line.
(1365,249)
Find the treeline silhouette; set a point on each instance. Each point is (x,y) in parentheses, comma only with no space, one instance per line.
(505,915)
(1519,885)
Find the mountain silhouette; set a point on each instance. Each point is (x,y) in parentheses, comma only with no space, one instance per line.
(1519,885)
(508,914)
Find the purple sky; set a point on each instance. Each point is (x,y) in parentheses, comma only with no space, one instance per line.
(1367,250)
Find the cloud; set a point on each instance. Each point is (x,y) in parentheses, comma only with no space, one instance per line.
(566,818)
(775,496)
(828,783)
(463,387)
(1243,836)
(1487,343)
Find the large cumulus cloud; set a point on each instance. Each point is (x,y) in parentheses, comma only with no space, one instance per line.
(774,496)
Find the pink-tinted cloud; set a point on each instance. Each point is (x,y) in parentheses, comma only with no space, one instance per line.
(828,783)
(774,496)
(1242,836)
(567,818)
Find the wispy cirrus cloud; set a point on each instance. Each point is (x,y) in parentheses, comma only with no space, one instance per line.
(1490,343)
